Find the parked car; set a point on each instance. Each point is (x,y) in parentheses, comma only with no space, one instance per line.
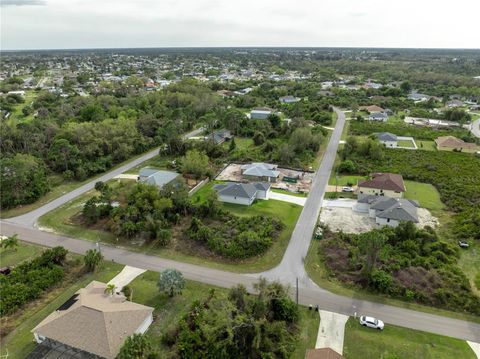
(463,244)
(347,189)
(371,322)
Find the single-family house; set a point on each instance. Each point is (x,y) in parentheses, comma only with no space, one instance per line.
(382,184)
(258,171)
(155,177)
(220,136)
(260,113)
(450,143)
(388,211)
(290,99)
(388,139)
(19,93)
(418,97)
(455,103)
(371,108)
(93,323)
(242,193)
(378,116)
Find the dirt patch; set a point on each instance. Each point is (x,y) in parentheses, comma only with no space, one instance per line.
(233,173)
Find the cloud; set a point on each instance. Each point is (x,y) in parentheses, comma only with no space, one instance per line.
(357,14)
(23,2)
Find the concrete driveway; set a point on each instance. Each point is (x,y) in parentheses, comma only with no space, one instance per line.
(342,202)
(126,276)
(332,331)
(287,198)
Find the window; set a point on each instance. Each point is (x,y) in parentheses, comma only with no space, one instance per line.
(388,220)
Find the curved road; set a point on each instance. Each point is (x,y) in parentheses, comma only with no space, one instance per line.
(289,269)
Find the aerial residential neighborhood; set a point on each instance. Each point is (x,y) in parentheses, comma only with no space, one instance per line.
(191,181)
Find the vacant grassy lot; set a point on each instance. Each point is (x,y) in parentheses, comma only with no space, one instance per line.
(12,257)
(168,311)
(426,145)
(470,264)
(425,194)
(344,180)
(296,194)
(62,221)
(19,343)
(402,343)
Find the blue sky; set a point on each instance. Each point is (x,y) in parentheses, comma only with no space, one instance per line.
(46,24)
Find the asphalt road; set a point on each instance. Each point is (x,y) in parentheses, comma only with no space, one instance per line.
(307,294)
(289,269)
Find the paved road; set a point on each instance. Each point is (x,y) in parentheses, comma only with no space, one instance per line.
(31,218)
(292,265)
(475,129)
(290,268)
(307,294)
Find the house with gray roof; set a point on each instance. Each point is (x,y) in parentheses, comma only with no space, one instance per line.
(155,177)
(290,99)
(93,324)
(388,211)
(259,171)
(220,136)
(261,113)
(388,139)
(242,193)
(378,116)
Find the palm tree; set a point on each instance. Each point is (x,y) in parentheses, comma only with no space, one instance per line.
(10,242)
(110,289)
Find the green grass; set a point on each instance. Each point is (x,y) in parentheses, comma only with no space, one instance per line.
(343,180)
(295,194)
(59,221)
(12,257)
(241,143)
(426,194)
(316,270)
(405,143)
(168,311)
(19,343)
(426,145)
(17,115)
(470,264)
(402,343)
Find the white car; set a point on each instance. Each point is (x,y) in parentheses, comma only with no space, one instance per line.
(347,189)
(371,322)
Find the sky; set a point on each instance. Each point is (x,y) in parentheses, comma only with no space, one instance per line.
(70,24)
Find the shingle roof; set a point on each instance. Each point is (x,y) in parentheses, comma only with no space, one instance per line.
(242,190)
(453,142)
(156,177)
(94,321)
(386,136)
(378,115)
(260,170)
(262,186)
(401,210)
(385,181)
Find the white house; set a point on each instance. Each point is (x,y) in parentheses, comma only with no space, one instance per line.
(242,193)
(378,116)
(260,113)
(388,211)
(93,323)
(290,99)
(388,139)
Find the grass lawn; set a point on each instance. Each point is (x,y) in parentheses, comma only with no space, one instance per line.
(343,180)
(470,264)
(296,194)
(19,343)
(17,115)
(426,194)
(168,311)
(241,143)
(317,272)
(402,343)
(405,143)
(12,257)
(60,221)
(426,145)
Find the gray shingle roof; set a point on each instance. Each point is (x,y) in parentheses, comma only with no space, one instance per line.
(379,115)
(260,170)
(402,210)
(241,190)
(387,136)
(156,177)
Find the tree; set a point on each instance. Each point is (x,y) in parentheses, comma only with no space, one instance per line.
(347,167)
(171,282)
(406,87)
(258,138)
(195,163)
(137,346)
(110,289)
(370,245)
(10,242)
(62,155)
(92,259)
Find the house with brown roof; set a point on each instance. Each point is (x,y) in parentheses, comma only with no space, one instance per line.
(93,323)
(371,108)
(450,143)
(382,184)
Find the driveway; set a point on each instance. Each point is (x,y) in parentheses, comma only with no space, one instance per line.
(127,176)
(475,347)
(332,331)
(287,198)
(475,129)
(126,276)
(342,202)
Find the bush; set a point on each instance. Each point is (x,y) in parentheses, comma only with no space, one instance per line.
(347,167)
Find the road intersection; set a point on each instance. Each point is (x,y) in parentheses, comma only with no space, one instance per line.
(287,272)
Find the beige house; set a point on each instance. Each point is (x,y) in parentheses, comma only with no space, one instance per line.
(93,323)
(382,184)
(450,143)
